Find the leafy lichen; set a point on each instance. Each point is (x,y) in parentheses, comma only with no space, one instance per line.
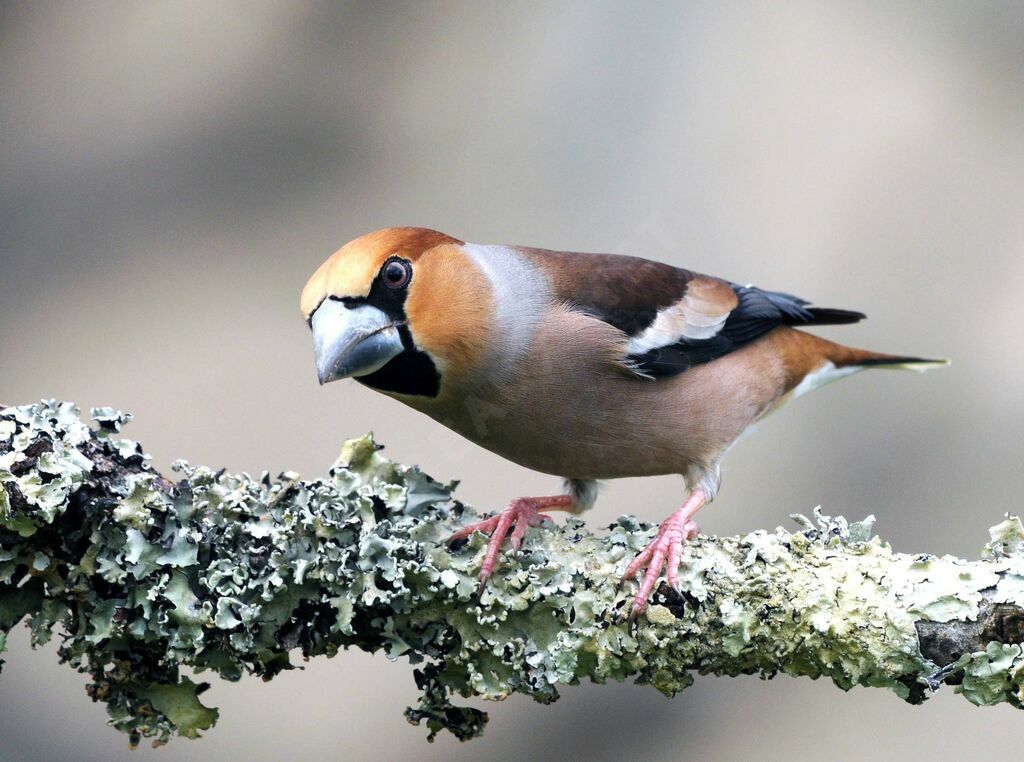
(231,574)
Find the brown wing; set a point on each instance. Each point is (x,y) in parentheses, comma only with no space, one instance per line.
(674,318)
(626,292)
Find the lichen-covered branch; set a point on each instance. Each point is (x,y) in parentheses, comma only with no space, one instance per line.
(230,574)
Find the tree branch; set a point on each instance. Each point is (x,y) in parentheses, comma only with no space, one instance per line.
(233,574)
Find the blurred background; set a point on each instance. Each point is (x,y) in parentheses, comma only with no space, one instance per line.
(172,172)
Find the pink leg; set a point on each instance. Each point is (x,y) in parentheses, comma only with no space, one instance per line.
(523,512)
(664,550)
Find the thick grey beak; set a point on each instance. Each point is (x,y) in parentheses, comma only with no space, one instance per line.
(352,342)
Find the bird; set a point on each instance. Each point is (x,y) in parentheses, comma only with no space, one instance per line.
(584,366)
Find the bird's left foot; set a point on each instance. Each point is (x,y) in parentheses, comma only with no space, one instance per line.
(662,553)
(522,513)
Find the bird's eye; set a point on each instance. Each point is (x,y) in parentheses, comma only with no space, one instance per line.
(397,274)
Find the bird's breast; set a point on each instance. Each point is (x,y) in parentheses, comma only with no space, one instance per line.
(569,409)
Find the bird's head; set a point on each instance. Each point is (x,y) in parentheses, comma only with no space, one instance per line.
(396,309)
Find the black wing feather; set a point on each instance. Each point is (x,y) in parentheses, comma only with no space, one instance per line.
(757,313)
(629,292)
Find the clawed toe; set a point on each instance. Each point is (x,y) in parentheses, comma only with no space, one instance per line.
(513,522)
(663,553)
(486,526)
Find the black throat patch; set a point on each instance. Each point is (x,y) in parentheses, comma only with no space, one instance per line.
(410,372)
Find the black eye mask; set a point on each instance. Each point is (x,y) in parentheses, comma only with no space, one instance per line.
(412,371)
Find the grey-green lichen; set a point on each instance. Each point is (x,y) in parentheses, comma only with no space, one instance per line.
(232,574)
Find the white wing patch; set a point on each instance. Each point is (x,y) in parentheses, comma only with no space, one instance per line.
(684,319)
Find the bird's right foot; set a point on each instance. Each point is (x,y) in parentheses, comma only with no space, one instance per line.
(664,551)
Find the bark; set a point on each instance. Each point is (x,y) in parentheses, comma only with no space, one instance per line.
(230,574)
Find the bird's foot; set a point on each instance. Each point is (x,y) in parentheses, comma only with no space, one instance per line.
(521,513)
(662,553)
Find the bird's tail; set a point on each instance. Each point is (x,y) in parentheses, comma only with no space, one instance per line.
(812,361)
(865,359)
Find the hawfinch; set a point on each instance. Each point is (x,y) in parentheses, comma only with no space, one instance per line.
(585,366)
